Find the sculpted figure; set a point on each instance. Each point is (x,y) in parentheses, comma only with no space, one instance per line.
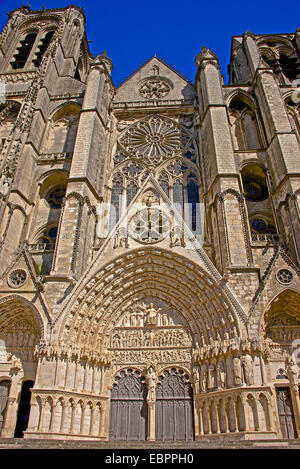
(196,379)
(248,369)
(220,375)
(151,382)
(237,371)
(211,382)
(292,371)
(203,378)
(151,314)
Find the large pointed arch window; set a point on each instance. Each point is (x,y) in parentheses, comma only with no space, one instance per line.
(246,133)
(23,51)
(42,47)
(157,146)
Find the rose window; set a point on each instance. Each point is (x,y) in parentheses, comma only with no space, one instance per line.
(284,276)
(55,197)
(155,139)
(154,89)
(149,225)
(17,278)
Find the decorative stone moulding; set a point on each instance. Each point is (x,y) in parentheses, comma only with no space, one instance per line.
(17,278)
(149,226)
(15,77)
(154,88)
(284,276)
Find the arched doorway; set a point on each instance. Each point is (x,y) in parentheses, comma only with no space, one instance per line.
(4,392)
(174,406)
(128,411)
(24,409)
(285,413)
(20,331)
(281,323)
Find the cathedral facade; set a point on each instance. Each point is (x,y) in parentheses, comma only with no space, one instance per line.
(149,240)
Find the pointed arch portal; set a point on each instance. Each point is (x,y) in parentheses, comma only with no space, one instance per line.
(128,412)
(174,407)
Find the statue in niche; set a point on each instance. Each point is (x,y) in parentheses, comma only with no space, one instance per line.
(150,199)
(125,320)
(2,351)
(211,381)
(292,371)
(151,312)
(177,237)
(139,319)
(203,378)
(133,319)
(151,382)
(220,375)
(196,377)
(237,371)
(248,369)
(165,320)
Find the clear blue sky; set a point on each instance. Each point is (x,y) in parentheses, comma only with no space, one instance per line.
(132,31)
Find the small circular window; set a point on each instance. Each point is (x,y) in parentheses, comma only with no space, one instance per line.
(255,191)
(284,276)
(55,197)
(17,278)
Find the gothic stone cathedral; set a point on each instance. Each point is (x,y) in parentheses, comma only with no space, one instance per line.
(150,240)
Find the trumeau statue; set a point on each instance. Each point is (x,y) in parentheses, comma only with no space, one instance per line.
(151,383)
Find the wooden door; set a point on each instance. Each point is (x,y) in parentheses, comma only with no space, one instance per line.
(285,411)
(4,391)
(174,407)
(128,408)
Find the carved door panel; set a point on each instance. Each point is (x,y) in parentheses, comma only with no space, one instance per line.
(285,411)
(174,407)
(4,391)
(128,409)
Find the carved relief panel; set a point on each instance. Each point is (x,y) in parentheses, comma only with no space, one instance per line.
(151,331)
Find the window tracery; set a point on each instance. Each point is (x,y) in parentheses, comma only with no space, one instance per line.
(281,58)
(244,124)
(55,197)
(23,51)
(155,139)
(162,147)
(293,109)
(154,88)
(42,47)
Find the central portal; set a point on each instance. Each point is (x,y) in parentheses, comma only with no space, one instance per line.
(151,397)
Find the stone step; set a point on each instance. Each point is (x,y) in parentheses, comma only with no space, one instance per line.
(19,443)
